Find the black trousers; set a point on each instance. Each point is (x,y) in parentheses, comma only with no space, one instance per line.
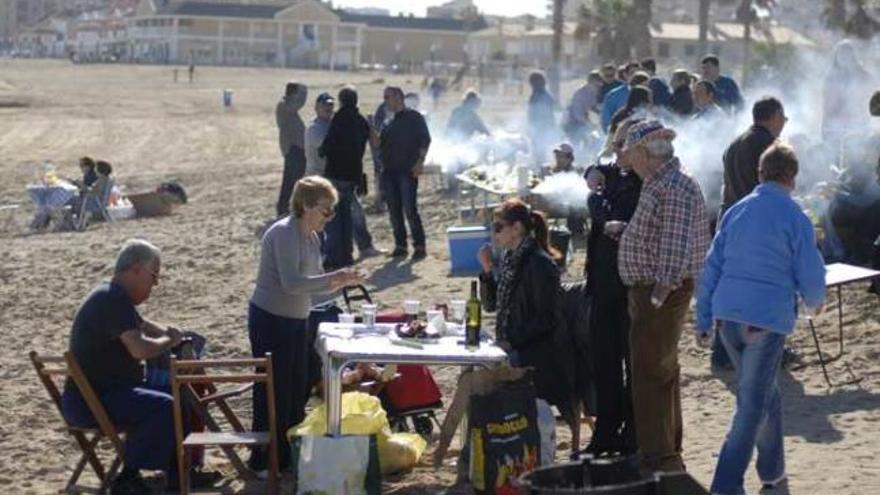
(609,324)
(294,170)
(291,346)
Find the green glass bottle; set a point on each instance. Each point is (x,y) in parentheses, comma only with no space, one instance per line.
(473,319)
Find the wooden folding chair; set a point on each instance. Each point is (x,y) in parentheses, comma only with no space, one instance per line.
(51,368)
(185,373)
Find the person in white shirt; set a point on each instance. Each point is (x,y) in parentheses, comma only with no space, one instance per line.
(316,132)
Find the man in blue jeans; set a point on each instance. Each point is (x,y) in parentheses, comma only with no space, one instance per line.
(344,148)
(763,258)
(404,144)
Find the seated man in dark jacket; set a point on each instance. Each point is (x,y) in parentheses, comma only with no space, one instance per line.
(109,340)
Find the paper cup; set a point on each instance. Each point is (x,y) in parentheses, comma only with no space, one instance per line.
(346,318)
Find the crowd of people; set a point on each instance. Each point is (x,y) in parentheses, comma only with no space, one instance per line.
(650,251)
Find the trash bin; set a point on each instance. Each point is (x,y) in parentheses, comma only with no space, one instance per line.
(575,477)
(607,475)
(227,97)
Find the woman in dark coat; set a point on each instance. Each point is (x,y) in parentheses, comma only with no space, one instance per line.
(612,202)
(525,294)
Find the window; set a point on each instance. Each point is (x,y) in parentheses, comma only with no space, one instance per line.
(663,49)
(689,50)
(716,50)
(185,22)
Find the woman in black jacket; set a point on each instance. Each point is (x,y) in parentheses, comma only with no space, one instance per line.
(525,294)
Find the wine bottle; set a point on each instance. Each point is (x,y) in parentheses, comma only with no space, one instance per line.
(474,319)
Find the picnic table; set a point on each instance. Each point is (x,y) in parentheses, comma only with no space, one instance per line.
(837,275)
(50,199)
(340,344)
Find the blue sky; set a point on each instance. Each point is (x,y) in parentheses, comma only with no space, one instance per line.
(418,7)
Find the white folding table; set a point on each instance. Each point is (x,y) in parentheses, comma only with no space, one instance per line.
(838,275)
(340,344)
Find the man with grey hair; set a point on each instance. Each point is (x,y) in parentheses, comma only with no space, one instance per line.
(763,259)
(661,254)
(109,339)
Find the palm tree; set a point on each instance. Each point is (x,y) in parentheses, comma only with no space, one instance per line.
(835,13)
(639,27)
(558,27)
(703,19)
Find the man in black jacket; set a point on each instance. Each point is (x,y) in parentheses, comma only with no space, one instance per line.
(741,157)
(741,174)
(344,148)
(404,144)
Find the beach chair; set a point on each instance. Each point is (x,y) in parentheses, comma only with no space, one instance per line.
(51,370)
(186,375)
(7,215)
(93,203)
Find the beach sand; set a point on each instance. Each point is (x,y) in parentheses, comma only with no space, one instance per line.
(153,130)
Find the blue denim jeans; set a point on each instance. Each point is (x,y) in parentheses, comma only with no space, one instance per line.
(146,416)
(362,236)
(401,190)
(757,422)
(339,244)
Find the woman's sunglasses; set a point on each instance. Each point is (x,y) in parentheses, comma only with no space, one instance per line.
(498,226)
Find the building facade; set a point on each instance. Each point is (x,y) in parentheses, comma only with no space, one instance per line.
(304,34)
(300,33)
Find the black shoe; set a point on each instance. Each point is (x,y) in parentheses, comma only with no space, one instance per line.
(197,480)
(130,485)
(399,252)
(419,254)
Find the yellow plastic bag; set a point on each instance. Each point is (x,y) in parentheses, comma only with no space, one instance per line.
(362,414)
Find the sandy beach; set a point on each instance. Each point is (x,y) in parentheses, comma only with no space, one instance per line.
(153,130)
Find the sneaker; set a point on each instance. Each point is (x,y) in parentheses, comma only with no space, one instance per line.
(419,254)
(774,484)
(130,485)
(370,252)
(790,357)
(399,252)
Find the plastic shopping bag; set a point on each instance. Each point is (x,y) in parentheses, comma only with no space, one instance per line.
(347,465)
(362,414)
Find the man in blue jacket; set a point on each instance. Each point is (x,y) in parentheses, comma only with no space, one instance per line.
(728,94)
(763,258)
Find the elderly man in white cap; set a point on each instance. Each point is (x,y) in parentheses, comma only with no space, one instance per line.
(661,254)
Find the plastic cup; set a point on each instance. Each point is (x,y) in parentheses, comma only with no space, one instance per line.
(368,311)
(411,308)
(347,318)
(458,308)
(434,313)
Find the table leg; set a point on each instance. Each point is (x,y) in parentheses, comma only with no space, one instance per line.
(819,352)
(333,395)
(840,318)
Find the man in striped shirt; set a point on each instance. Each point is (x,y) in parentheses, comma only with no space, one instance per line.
(661,254)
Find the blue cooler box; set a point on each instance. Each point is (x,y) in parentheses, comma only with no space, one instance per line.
(464,244)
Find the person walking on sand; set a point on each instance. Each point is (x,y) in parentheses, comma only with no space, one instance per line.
(763,258)
(291,138)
